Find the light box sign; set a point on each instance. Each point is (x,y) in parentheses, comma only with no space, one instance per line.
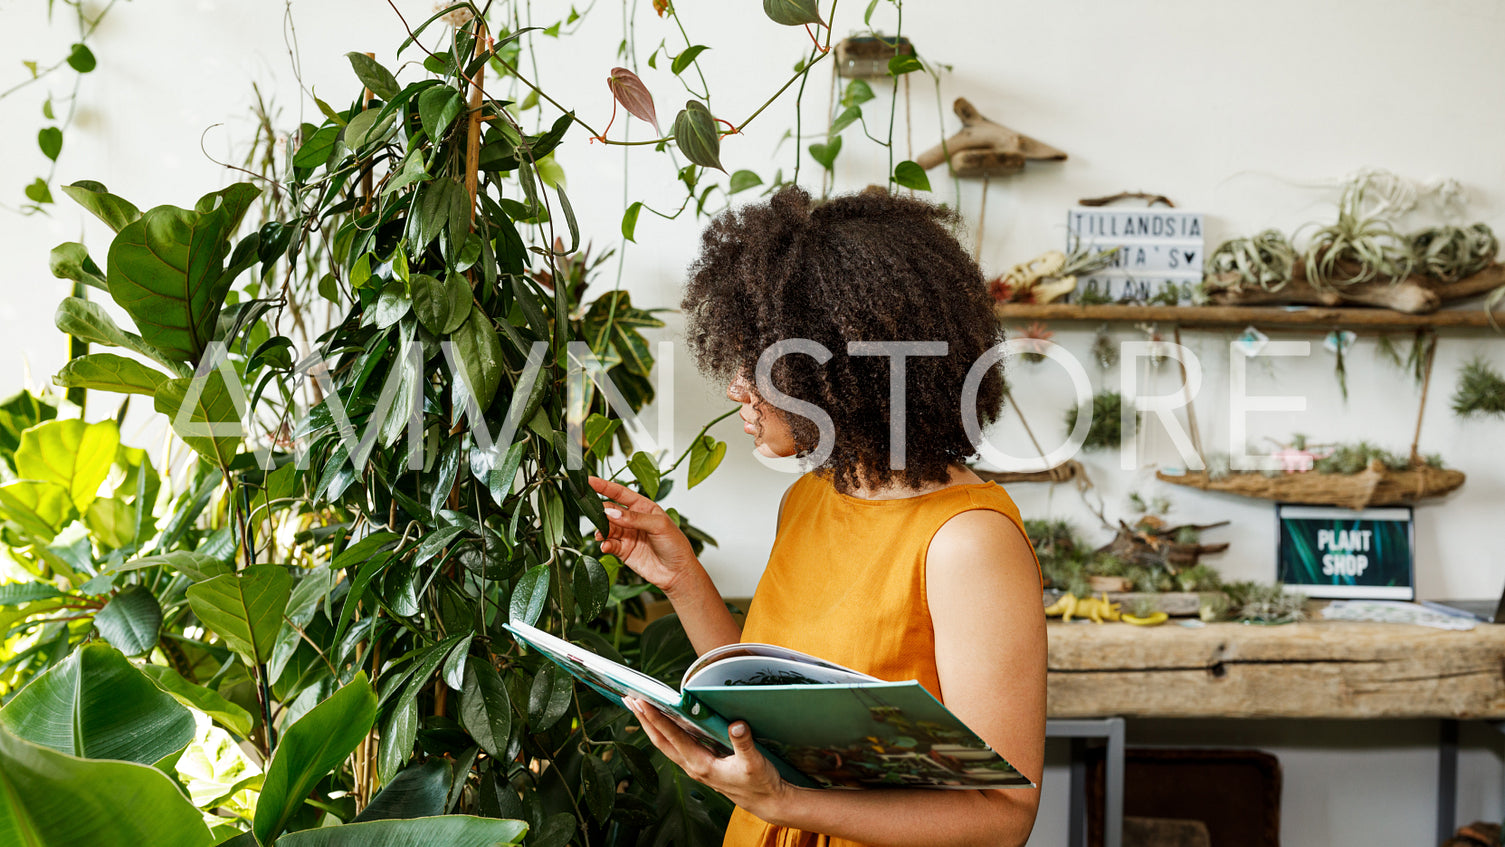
(1158,249)
(1326,551)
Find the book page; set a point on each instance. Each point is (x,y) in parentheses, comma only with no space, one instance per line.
(770,651)
(770,670)
(600,672)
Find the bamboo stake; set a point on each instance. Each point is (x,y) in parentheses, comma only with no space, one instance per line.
(1191,410)
(473,134)
(1421,407)
(367,188)
(982,217)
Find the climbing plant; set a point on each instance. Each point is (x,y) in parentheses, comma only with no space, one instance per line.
(301,624)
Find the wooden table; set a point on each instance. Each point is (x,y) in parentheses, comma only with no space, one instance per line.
(1317,669)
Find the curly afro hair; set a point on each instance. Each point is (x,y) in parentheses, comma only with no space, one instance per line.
(868,267)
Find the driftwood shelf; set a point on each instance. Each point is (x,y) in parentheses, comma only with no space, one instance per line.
(1369,487)
(1318,669)
(1238,317)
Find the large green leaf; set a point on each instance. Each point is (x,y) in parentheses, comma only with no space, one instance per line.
(167,270)
(95,704)
(88,321)
(206,700)
(485,708)
(109,372)
(116,212)
(313,746)
(49,799)
(70,260)
(244,608)
(478,352)
(417,792)
(38,509)
(208,422)
(131,621)
(72,454)
(449,830)
(196,566)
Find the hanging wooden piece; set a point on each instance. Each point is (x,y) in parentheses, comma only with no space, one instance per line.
(1064,472)
(985,148)
(1376,485)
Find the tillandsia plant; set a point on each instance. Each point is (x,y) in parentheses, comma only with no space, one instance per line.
(1358,247)
(295,638)
(1264,260)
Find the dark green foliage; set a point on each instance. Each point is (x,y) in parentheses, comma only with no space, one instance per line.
(1480,391)
(1106,430)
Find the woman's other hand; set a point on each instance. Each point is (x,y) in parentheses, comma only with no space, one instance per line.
(645,538)
(745,777)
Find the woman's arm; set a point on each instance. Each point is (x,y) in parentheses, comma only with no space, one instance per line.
(645,538)
(984,594)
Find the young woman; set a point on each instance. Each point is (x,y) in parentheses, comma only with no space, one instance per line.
(891,556)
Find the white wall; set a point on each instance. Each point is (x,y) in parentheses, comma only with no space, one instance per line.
(1247,112)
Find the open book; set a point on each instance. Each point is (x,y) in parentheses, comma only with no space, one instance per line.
(822,725)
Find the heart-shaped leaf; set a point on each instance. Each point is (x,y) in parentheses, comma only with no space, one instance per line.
(705,455)
(634,96)
(792,12)
(825,154)
(695,135)
(911,175)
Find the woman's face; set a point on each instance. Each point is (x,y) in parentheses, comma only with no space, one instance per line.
(771,434)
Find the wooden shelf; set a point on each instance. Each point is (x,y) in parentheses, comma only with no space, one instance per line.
(1260,316)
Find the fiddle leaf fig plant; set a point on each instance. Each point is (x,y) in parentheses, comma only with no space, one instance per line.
(393,365)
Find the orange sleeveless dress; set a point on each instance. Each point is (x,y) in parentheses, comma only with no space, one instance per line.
(846,582)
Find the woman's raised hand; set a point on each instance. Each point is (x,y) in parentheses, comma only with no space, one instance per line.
(644,537)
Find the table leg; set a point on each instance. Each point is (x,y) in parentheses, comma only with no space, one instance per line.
(1447,779)
(1077,820)
(1113,785)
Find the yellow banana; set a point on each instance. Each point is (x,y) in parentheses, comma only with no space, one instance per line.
(1153,619)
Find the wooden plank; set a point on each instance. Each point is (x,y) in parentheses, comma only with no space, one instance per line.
(1326,669)
(1241,316)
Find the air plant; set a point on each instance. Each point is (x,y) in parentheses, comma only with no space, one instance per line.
(1252,602)
(1106,429)
(1356,248)
(1450,253)
(1480,391)
(1104,351)
(1033,339)
(1264,260)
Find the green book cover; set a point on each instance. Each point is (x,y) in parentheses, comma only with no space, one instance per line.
(822,725)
